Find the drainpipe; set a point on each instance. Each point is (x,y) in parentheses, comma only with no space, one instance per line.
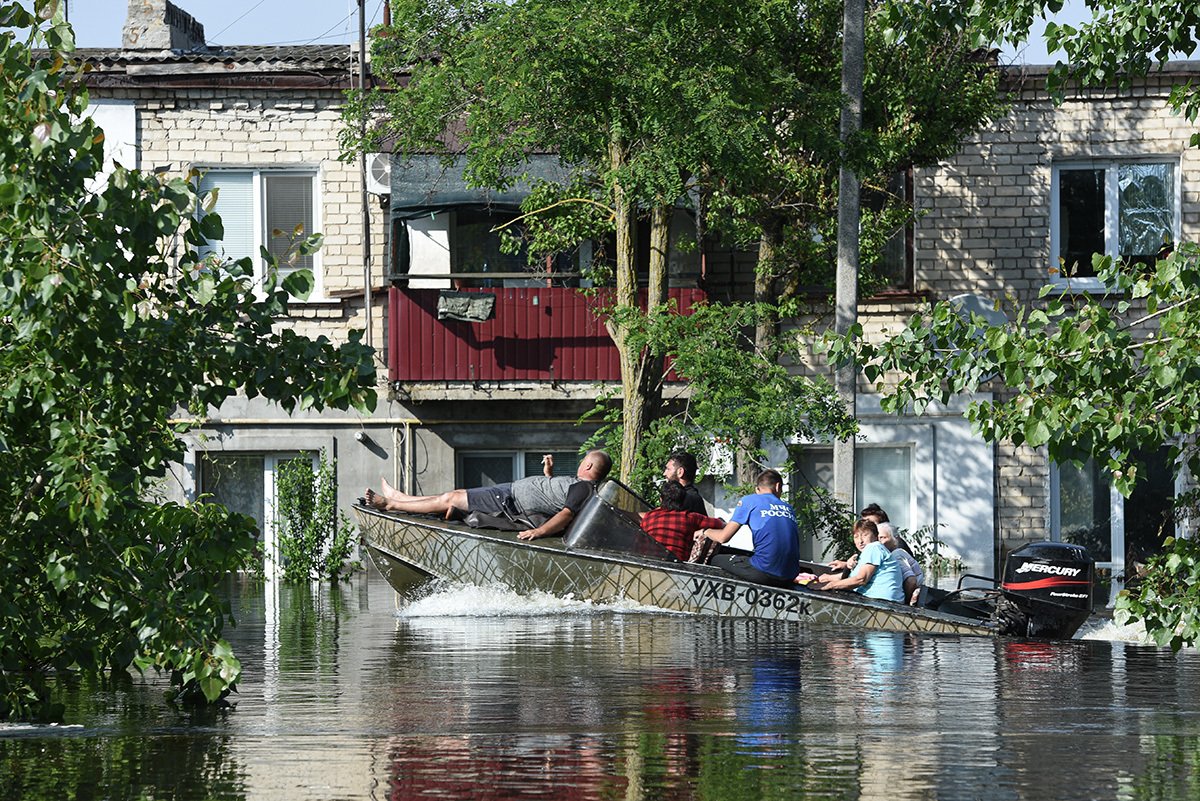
(362,173)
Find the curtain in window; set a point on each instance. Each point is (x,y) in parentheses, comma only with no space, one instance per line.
(1147,208)
(884,476)
(289,201)
(235,204)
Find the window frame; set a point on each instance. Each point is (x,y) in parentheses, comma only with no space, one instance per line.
(1111,167)
(271,460)
(518,458)
(259,216)
(1116,508)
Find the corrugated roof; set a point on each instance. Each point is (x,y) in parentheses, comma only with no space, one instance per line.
(298,56)
(287,66)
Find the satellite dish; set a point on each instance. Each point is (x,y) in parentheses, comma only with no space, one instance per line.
(969,304)
(379,173)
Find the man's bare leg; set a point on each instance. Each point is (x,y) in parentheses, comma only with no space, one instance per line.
(420,504)
(388,491)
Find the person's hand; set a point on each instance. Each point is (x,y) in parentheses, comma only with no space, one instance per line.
(701,534)
(531,534)
(548,464)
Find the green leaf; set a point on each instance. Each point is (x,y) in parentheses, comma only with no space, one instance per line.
(299,283)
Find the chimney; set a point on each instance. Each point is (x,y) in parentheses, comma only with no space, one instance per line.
(160,25)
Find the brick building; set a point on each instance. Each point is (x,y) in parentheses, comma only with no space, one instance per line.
(468,401)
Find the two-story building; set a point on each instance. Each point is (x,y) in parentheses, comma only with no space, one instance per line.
(485,366)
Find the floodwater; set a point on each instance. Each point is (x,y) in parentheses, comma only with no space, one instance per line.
(473,693)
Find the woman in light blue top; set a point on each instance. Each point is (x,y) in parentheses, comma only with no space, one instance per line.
(877,574)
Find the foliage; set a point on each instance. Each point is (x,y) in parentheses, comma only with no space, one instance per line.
(1126,39)
(1099,376)
(110,323)
(315,537)
(648,109)
(732,386)
(926,549)
(1167,600)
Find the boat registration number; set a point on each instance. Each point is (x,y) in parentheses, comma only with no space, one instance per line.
(763,597)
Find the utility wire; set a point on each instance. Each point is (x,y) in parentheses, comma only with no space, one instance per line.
(239,19)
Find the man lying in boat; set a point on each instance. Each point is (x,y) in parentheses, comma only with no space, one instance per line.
(558,498)
(877,574)
(772,523)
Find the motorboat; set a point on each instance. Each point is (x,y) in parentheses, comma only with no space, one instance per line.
(1047,589)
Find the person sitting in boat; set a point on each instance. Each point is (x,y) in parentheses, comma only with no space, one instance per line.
(776,538)
(910,568)
(681,468)
(877,574)
(673,525)
(558,498)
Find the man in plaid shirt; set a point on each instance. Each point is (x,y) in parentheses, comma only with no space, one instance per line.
(674,527)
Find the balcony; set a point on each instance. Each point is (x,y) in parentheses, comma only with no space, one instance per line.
(535,334)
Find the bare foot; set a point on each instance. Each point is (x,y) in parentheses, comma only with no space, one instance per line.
(388,491)
(377,501)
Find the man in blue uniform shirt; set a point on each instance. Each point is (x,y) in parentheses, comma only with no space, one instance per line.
(772,522)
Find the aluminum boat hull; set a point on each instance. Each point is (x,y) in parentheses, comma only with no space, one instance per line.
(405,547)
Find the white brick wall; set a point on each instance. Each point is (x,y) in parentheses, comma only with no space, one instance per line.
(257,128)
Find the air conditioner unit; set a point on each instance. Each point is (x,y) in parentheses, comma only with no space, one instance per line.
(379,173)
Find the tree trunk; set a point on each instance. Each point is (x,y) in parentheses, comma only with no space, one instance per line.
(770,247)
(641,373)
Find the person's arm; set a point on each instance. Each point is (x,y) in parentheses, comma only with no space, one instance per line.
(910,586)
(856,579)
(720,534)
(555,525)
(548,465)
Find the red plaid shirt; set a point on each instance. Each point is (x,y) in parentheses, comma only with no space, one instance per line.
(675,529)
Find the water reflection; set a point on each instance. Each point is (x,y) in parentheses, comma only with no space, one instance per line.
(476,693)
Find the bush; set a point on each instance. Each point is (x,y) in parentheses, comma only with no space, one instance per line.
(1167,599)
(315,537)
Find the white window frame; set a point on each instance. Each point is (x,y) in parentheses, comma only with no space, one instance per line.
(1111,219)
(259,222)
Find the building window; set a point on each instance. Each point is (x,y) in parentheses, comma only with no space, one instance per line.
(1121,209)
(1086,510)
(264,209)
(478,257)
(882,475)
(488,468)
(895,266)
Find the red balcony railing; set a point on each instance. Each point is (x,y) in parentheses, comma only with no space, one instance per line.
(535,334)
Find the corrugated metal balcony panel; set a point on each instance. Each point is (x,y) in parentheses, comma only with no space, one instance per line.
(535,334)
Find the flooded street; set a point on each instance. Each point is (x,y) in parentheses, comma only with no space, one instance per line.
(473,693)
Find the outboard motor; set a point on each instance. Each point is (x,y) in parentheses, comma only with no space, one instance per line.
(1047,590)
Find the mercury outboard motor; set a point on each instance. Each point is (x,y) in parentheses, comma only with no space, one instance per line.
(1047,590)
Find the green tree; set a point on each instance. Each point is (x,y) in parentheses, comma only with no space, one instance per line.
(111,323)
(733,105)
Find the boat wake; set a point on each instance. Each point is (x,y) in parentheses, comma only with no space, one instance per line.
(1108,629)
(465,600)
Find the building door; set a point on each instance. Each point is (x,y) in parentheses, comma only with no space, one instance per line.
(245,483)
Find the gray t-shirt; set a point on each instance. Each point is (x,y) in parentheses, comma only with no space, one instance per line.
(549,495)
